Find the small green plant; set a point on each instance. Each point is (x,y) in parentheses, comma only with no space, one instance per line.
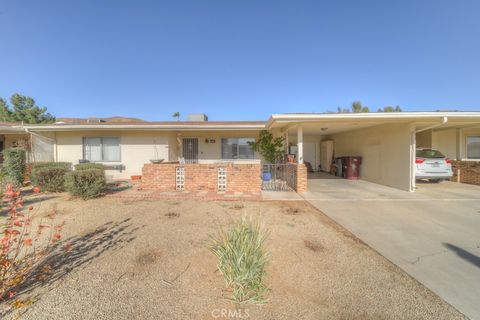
(14,165)
(269,147)
(88,166)
(88,183)
(241,260)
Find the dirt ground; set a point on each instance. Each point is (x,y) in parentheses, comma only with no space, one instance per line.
(150,260)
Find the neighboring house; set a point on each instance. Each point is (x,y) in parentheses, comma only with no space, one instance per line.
(385,141)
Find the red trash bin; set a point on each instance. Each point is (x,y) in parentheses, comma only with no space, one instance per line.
(351,166)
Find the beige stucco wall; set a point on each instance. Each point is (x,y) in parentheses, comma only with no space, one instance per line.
(385,152)
(424,139)
(452,142)
(136,148)
(445,141)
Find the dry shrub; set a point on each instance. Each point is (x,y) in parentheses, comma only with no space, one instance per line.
(172,215)
(23,245)
(313,245)
(237,206)
(292,211)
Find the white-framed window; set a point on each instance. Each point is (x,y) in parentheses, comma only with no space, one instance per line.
(237,149)
(473,147)
(101,149)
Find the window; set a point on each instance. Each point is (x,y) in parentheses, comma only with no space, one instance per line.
(429,154)
(105,149)
(237,148)
(473,147)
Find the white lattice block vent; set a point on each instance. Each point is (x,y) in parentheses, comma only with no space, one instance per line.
(180,178)
(222,179)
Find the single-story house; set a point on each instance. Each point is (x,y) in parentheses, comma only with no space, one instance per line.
(201,154)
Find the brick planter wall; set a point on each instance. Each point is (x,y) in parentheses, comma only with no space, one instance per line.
(198,177)
(301,178)
(466,172)
(159,176)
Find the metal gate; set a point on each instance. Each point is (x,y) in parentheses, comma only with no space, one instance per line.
(190,150)
(279,177)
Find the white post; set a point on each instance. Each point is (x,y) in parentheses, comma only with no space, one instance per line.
(286,142)
(300,144)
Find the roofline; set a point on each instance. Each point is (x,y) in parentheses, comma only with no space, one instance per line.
(295,117)
(13,128)
(158,127)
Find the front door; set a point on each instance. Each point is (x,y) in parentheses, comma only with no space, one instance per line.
(190,150)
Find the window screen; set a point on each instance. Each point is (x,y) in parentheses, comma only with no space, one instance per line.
(473,147)
(101,149)
(237,148)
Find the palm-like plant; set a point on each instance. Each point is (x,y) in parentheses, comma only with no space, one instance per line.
(176,115)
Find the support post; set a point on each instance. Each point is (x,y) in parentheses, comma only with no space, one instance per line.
(300,144)
(286,141)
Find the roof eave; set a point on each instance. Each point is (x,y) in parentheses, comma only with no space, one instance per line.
(147,127)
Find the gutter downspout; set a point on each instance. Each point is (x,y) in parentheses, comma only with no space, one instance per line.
(413,146)
(444,121)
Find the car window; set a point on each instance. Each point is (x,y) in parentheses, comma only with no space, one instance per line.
(429,154)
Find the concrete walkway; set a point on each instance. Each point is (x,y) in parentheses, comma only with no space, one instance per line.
(432,234)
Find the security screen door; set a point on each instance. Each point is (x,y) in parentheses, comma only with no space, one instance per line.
(190,150)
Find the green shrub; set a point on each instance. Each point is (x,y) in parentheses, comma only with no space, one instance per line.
(51,164)
(38,169)
(14,164)
(5,181)
(50,178)
(88,166)
(88,183)
(241,260)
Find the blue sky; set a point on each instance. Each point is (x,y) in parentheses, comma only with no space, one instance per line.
(239,60)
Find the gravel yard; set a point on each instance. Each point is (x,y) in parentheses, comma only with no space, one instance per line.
(150,260)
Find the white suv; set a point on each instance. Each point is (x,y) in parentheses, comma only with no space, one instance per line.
(432,165)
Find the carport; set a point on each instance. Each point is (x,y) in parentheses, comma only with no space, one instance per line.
(385,141)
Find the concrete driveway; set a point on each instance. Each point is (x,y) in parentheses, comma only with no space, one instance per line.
(432,234)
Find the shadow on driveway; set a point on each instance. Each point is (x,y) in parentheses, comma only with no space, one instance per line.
(464,254)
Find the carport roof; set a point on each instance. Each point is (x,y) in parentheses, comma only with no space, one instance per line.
(329,123)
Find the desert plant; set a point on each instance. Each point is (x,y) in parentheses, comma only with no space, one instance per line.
(269,147)
(241,260)
(50,179)
(88,166)
(88,183)
(14,164)
(22,249)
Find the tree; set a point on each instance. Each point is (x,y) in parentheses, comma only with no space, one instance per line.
(24,109)
(358,108)
(176,115)
(5,112)
(390,109)
(343,110)
(269,147)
